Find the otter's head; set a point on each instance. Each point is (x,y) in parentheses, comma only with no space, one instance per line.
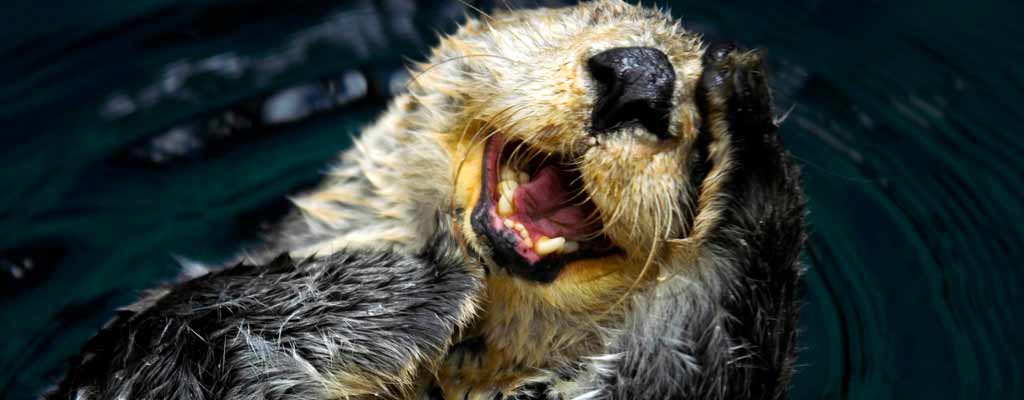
(575,137)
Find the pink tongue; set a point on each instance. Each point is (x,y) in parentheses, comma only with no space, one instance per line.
(547,208)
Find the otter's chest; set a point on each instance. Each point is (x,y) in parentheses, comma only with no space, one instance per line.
(518,339)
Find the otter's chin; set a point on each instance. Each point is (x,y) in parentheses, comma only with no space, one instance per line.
(533,213)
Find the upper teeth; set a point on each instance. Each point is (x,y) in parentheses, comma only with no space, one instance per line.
(523,177)
(505,207)
(509,174)
(510,180)
(508,188)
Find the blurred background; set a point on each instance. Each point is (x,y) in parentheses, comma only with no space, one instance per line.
(138,132)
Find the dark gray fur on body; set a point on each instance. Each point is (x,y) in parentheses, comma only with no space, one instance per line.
(277,331)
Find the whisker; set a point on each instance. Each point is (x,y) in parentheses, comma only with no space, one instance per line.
(643,271)
(473,143)
(522,144)
(475,8)
(422,68)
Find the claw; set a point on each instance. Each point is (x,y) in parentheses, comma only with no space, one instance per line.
(733,85)
(717,51)
(735,80)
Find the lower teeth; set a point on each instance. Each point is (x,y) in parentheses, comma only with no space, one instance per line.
(544,244)
(505,207)
(547,246)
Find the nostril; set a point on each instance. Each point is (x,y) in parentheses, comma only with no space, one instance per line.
(636,86)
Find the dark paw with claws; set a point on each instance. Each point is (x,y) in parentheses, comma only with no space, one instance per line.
(733,82)
(734,88)
(763,228)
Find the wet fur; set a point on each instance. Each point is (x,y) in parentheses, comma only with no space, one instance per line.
(392,295)
(355,323)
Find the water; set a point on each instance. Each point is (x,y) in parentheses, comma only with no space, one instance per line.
(139,132)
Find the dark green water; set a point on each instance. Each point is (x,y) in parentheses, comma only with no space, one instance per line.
(135,132)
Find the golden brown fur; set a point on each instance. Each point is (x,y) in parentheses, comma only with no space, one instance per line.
(523,74)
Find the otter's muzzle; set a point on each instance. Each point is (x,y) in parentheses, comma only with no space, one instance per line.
(636,88)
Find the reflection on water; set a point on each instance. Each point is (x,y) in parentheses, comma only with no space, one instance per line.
(142,132)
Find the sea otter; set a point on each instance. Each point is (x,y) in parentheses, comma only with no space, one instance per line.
(586,202)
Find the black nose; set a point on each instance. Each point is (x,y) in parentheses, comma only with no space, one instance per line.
(636,88)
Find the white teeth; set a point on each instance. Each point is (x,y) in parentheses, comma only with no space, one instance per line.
(508,188)
(547,245)
(523,233)
(505,207)
(509,174)
(544,245)
(510,179)
(522,177)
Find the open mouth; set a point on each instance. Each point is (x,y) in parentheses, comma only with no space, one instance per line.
(534,212)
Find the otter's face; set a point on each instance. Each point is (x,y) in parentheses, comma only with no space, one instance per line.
(574,135)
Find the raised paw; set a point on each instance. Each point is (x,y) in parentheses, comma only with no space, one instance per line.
(734,97)
(733,84)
